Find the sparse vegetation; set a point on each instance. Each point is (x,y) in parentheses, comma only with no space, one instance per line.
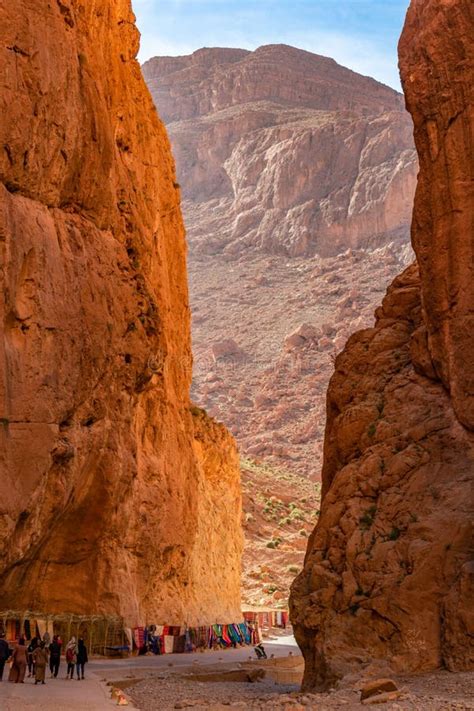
(279,502)
(394,534)
(296,515)
(367,519)
(197,411)
(274,543)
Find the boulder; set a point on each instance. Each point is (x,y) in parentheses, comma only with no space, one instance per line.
(377,686)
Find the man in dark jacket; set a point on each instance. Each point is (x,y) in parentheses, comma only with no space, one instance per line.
(54,656)
(4,653)
(82,658)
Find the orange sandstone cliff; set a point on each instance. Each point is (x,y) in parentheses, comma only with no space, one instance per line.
(388,574)
(109,492)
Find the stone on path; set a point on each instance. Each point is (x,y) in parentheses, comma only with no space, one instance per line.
(377,686)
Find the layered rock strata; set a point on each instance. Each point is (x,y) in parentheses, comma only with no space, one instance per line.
(283,151)
(104,494)
(388,573)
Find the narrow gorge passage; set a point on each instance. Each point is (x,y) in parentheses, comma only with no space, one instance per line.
(236,394)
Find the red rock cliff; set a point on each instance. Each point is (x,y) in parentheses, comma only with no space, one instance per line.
(388,570)
(437,73)
(103,492)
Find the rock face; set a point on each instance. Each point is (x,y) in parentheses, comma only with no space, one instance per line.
(104,490)
(283,151)
(443,220)
(286,159)
(388,570)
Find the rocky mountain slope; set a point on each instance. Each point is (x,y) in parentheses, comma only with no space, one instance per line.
(388,572)
(297,177)
(284,151)
(111,488)
(280,510)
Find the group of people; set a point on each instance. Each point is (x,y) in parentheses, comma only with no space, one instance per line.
(36,655)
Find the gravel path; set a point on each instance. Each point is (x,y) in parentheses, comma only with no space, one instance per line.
(440,691)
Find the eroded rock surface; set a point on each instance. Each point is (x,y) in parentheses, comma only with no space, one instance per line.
(103,489)
(283,151)
(439,89)
(388,571)
(298,178)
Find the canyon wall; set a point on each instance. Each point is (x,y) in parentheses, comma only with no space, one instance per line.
(388,574)
(103,488)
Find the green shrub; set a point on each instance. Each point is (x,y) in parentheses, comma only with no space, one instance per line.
(274,543)
(197,411)
(394,534)
(296,515)
(367,519)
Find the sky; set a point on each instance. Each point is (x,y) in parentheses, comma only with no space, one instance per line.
(359,34)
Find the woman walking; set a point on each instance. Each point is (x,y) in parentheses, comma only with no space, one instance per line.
(17,672)
(40,657)
(71,657)
(82,658)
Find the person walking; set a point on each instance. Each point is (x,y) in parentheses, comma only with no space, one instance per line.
(54,656)
(71,657)
(19,660)
(82,658)
(29,655)
(40,657)
(4,653)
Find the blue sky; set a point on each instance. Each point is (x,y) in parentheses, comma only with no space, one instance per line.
(360,34)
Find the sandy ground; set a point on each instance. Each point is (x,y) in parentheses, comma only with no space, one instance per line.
(56,695)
